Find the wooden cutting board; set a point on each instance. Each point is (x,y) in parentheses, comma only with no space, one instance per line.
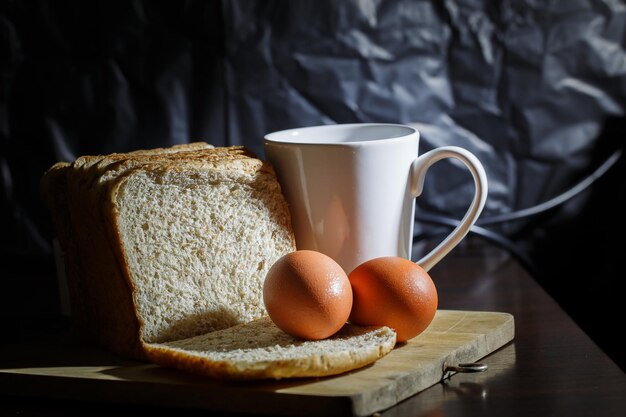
(63,370)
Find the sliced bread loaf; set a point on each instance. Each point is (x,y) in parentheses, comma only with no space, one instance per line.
(184,193)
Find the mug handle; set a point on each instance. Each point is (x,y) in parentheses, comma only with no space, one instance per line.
(418,173)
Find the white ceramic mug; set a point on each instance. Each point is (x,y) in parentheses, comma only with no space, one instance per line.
(351,189)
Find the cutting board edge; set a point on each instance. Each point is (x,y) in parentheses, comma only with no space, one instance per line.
(500,337)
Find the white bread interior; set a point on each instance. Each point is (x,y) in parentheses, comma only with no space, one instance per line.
(197,239)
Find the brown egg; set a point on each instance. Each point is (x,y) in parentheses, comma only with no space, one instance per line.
(308,295)
(395,292)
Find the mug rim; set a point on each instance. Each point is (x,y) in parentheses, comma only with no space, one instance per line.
(285,136)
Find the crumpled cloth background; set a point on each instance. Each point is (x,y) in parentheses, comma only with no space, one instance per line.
(537,90)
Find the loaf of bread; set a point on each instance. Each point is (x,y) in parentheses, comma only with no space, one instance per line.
(169,247)
(168,243)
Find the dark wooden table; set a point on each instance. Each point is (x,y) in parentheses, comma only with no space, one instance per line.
(552,368)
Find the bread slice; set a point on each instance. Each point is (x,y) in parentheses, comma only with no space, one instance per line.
(196,239)
(260,350)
